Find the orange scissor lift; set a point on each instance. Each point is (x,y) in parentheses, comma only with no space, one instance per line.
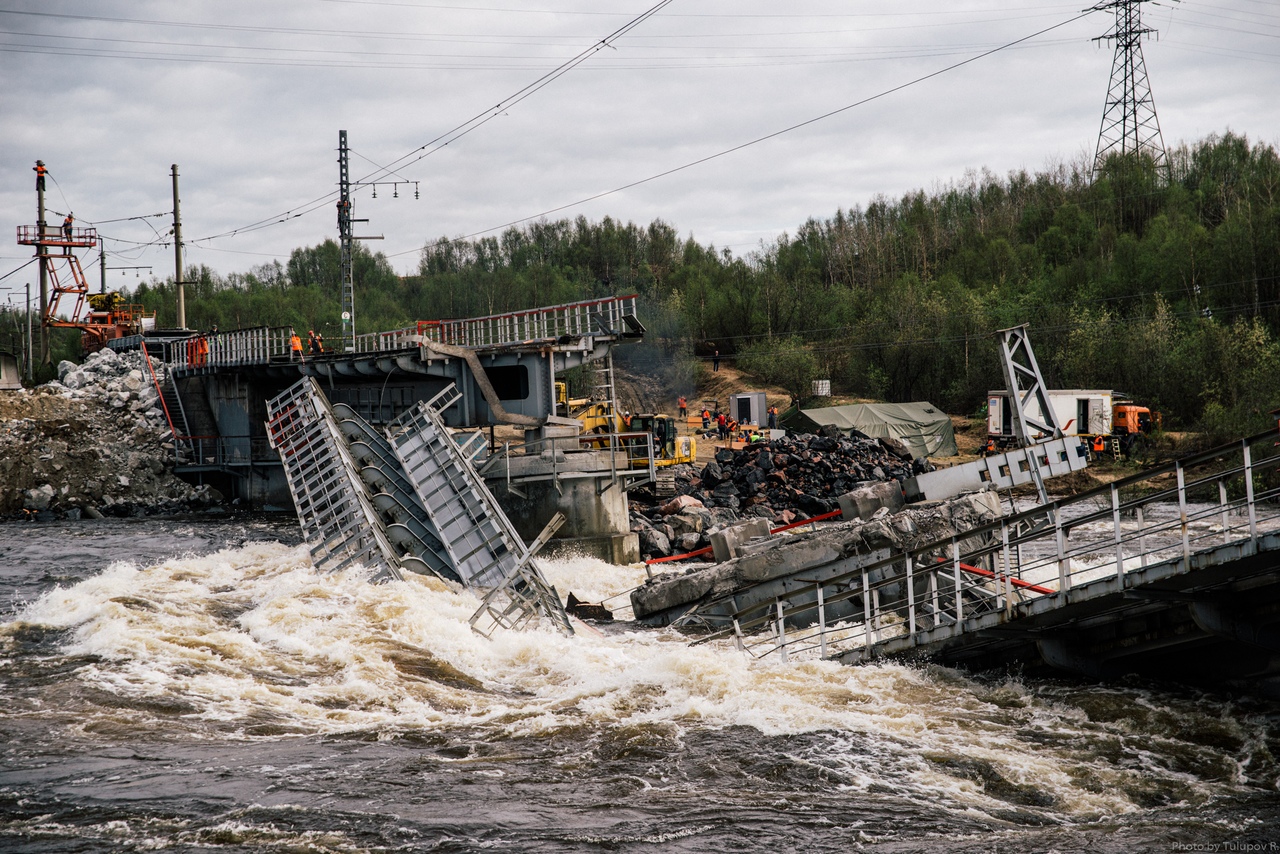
(108,316)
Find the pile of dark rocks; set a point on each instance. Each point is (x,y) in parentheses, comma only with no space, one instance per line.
(783,480)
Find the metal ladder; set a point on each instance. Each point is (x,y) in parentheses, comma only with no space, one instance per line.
(602,389)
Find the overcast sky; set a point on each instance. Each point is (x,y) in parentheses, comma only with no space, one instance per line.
(248,98)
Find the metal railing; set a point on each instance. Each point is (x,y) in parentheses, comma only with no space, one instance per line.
(263,345)
(56,235)
(631,460)
(575,320)
(223,451)
(258,346)
(1167,514)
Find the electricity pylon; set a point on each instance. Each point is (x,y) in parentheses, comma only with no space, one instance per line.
(1129,121)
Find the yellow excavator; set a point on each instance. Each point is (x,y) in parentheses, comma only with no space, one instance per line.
(601,418)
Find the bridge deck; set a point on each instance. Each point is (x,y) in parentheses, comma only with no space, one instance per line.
(606,319)
(1158,564)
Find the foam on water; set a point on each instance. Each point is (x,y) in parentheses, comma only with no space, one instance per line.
(253,636)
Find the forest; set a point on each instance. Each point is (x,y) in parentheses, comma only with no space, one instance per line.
(1161,282)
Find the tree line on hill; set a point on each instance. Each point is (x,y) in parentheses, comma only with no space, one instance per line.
(1160,283)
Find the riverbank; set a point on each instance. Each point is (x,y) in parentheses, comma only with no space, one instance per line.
(94,443)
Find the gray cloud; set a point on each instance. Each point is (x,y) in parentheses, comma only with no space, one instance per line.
(247,98)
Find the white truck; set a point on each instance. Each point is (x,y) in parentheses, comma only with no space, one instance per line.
(1080,412)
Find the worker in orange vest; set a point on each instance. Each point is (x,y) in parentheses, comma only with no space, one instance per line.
(40,171)
(706,418)
(295,346)
(684,407)
(1099,444)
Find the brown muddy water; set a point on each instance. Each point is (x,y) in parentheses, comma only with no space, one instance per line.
(194,686)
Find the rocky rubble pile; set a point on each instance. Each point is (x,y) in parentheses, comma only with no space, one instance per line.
(121,381)
(784,480)
(95,442)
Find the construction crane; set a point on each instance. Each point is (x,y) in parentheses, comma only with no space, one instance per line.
(108,316)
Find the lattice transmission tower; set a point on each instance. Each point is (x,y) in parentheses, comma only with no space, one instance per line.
(1129,121)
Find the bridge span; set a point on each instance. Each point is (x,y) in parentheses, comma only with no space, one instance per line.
(503,368)
(1173,573)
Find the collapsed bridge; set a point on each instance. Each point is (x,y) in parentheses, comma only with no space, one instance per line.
(1173,572)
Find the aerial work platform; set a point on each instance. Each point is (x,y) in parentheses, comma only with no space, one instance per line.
(99,317)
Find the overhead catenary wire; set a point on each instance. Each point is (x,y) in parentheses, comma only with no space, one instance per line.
(760,139)
(468,126)
(17,270)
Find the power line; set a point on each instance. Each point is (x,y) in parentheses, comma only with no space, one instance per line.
(774,134)
(466,127)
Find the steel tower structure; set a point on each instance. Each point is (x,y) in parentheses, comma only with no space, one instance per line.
(1129,121)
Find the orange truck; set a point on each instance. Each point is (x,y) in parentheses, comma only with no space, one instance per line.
(1100,417)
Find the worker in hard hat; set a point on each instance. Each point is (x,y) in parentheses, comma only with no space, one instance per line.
(295,346)
(66,226)
(40,171)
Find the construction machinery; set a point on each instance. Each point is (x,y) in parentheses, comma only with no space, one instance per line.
(1131,426)
(108,317)
(1107,423)
(566,405)
(602,429)
(669,447)
(111,317)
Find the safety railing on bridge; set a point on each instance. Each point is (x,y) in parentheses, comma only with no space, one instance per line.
(575,320)
(1167,514)
(258,346)
(264,345)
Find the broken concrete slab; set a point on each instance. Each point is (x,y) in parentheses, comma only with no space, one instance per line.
(836,547)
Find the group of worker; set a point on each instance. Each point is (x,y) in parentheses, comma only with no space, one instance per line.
(315,344)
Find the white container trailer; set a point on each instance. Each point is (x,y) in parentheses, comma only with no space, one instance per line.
(749,408)
(1080,412)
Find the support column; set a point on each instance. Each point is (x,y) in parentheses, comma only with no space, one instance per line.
(42,251)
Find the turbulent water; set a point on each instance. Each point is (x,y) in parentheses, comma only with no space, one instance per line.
(196,686)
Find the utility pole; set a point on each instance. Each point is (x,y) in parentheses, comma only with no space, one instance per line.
(102,264)
(344,239)
(177,253)
(29,359)
(347,239)
(42,250)
(1129,122)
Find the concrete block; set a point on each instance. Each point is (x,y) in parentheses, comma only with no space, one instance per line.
(728,542)
(864,501)
(559,433)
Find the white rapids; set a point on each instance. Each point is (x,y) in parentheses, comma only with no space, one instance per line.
(254,634)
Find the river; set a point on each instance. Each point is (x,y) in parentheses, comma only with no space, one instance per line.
(193,685)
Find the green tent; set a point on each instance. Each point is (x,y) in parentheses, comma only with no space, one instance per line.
(924,428)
